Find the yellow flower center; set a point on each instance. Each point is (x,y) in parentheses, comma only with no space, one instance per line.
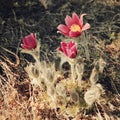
(75,28)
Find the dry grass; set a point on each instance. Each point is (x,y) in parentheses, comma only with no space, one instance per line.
(109,2)
(20,100)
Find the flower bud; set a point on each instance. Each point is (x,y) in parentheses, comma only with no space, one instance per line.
(93,94)
(75,96)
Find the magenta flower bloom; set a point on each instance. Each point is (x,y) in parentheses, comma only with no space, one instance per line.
(69,49)
(29,42)
(74,26)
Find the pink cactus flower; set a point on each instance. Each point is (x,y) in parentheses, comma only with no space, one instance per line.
(74,26)
(69,49)
(29,42)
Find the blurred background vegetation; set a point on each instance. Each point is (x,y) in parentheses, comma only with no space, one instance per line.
(21,17)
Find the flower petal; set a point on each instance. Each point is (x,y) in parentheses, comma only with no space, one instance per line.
(75,18)
(63,29)
(86,26)
(72,55)
(72,52)
(71,43)
(25,46)
(29,41)
(69,49)
(81,19)
(25,41)
(60,49)
(63,47)
(74,34)
(69,21)
(73,48)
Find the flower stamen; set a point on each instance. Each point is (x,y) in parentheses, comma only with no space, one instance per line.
(75,28)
